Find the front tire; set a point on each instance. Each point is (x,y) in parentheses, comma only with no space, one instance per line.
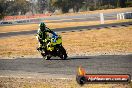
(47,57)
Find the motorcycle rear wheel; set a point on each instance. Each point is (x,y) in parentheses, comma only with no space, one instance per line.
(63,54)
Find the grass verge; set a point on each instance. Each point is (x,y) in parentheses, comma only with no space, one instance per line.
(52,83)
(129,9)
(86,42)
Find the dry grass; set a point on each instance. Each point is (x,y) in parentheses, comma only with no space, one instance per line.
(109,10)
(52,83)
(104,40)
(99,11)
(28,27)
(19,45)
(92,41)
(18,28)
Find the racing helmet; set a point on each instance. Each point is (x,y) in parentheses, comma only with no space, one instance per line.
(42,26)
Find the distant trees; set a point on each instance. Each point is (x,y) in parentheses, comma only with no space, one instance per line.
(129,3)
(13,7)
(17,7)
(2,7)
(42,5)
(77,5)
(64,5)
(21,7)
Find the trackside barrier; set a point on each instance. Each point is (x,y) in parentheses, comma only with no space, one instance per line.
(10,18)
(101,18)
(126,15)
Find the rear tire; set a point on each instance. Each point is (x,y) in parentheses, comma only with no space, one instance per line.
(64,57)
(63,54)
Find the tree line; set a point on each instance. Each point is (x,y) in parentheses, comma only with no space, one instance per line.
(85,5)
(15,7)
(21,7)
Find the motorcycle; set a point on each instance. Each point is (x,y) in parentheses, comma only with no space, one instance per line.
(54,48)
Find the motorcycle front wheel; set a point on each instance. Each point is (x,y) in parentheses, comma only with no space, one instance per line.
(47,57)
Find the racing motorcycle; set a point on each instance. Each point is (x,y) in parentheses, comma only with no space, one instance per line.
(54,48)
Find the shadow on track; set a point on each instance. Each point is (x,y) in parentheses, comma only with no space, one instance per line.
(71,58)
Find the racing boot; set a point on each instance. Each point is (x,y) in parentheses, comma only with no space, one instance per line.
(39,48)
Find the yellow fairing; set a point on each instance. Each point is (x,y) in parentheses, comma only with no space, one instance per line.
(52,44)
(50,48)
(58,41)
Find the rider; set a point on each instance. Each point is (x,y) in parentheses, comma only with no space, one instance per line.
(42,35)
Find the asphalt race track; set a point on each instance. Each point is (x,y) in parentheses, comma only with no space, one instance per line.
(105,64)
(72,18)
(68,29)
